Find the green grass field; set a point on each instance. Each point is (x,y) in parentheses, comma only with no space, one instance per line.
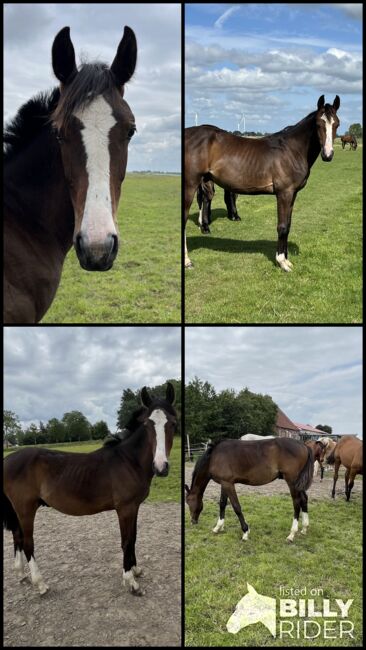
(218,567)
(235,278)
(144,284)
(162,490)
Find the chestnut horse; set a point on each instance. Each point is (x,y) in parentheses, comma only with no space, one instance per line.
(253,463)
(318,450)
(348,452)
(65,161)
(349,139)
(277,164)
(116,477)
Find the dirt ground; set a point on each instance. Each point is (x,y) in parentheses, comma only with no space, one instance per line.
(80,558)
(318,490)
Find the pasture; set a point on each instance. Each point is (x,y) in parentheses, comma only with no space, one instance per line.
(144,285)
(218,567)
(235,278)
(81,560)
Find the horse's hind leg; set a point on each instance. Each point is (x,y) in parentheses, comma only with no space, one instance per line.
(351,476)
(335,477)
(27,523)
(304,512)
(346,477)
(231,493)
(296,499)
(221,520)
(189,192)
(19,561)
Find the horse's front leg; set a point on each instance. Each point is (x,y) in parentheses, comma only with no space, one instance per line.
(229,488)
(321,470)
(188,198)
(221,520)
(127,518)
(285,204)
(230,202)
(296,500)
(335,477)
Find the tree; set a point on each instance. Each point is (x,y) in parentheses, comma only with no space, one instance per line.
(31,435)
(99,430)
(356,130)
(77,426)
(56,431)
(324,427)
(11,427)
(130,402)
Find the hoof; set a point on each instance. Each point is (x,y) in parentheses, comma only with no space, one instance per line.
(138,592)
(188,265)
(304,531)
(43,589)
(245,537)
(289,539)
(23,578)
(137,572)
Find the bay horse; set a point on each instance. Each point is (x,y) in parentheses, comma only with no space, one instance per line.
(277,164)
(252,463)
(349,139)
(116,477)
(205,194)
(65,161)
(348,452)
(318,450)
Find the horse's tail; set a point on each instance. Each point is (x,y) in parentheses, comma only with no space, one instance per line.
(305,477)
(10,518)
(331,458)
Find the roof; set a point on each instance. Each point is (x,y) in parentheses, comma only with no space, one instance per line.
(283,422)
(308,427)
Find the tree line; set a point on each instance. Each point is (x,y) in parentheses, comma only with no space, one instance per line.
(226,414)
(74,426)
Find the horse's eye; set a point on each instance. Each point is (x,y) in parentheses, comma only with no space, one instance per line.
(131,132)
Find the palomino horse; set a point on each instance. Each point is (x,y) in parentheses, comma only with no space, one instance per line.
(115,477)
(318,450)
(253,463)
(205,194)
(348,452)
(349,139)
(65,161)
(276,164)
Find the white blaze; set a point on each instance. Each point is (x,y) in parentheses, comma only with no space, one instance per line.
(159,418)
(97,120)
(328,146)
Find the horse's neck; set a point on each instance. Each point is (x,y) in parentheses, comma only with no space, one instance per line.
(140,446)
(36,195)
(305,131)
(200,483)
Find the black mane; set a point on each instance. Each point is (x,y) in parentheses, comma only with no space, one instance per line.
(135,421)
(204,459)
(31,119)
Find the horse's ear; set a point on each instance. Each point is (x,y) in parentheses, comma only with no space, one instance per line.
(63,56)
(321,102)
(170,393)
(336,103)
(251,589)
(124,62)
(186,488)
(145,397)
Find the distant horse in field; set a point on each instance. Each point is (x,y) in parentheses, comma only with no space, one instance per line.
(116,477)
(253,463)
(318,450)
(205,194)
(277,164)
(254,436)
(348,452)
(349,139)
(65,161)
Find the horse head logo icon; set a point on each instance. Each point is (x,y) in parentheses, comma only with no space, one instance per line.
(253,608)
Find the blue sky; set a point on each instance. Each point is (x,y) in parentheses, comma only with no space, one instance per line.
(154,92)
(271,63)
(313,373)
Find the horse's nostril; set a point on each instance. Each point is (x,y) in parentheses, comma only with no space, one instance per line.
(79,244)
(114,248)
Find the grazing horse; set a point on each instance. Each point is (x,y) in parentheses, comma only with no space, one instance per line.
(253,463)
(348,452)
(116,477)
(318,450)
(65,161)
(276,164)
(205,194)
(349,139)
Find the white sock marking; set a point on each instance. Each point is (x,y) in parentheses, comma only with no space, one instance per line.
(284,263)
(200,217)
(219,526)
(294,529)
(159,418)
(97,120)
(128,578)
(36,576)
(305,522)
(245,535)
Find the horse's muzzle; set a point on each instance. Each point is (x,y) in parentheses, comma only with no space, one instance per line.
(96,256)
(161,472)
(327,158)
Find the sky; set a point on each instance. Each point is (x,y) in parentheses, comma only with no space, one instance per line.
(270,63)
(154,92)
(314,374)
(49,371)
